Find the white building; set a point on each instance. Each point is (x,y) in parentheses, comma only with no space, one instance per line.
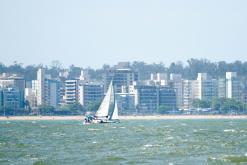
(31,97)
(187,96)
(84,75)
(205,88)
(39,86)
(232,86)
(71,91)
(45,89)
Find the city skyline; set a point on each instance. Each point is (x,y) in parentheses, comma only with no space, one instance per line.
(163,89)
(79,32)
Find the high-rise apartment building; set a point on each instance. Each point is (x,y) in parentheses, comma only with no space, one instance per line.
(176,83)
(221,88)
(71,91)
(39,86)
(205,88)
(187,97)
(232,86)
(52,94)
(90,93)
(45,89)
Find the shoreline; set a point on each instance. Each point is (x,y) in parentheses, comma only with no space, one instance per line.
(150,117)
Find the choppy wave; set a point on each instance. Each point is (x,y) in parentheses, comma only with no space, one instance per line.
(229,158)
(129,142)
(229,130)
(92,129)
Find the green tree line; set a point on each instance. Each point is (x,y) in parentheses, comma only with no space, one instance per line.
(44,109)
(188,70)
(222,105)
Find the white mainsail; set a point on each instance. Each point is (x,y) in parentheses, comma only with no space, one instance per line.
(106,103)
(115,112)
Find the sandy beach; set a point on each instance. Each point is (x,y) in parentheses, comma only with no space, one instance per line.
(155,117)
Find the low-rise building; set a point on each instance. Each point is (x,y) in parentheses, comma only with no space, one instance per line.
(148,98)
(11,100)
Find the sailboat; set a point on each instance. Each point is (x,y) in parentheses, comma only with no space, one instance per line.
(114,116)
(109,104)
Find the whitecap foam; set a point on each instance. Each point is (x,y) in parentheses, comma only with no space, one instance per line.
(170,138)
(229,130)
(148,145)
(92,129)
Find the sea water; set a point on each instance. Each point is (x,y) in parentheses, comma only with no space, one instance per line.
(170,142)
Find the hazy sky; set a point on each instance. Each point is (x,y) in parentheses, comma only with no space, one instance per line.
(95,32)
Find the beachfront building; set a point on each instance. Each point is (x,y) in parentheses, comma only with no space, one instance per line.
(71,91)
(11,100)
(167,97)
(52,95)
(187,95)
(13,85)
(31,98)
(176,83)
(126,100)
(221,89)
(90,93)
(126,103)
(148,98)
(205,88)
(46,90)
(232,86)
(39,86)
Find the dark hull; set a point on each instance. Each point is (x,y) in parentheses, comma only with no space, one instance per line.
(110,121)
